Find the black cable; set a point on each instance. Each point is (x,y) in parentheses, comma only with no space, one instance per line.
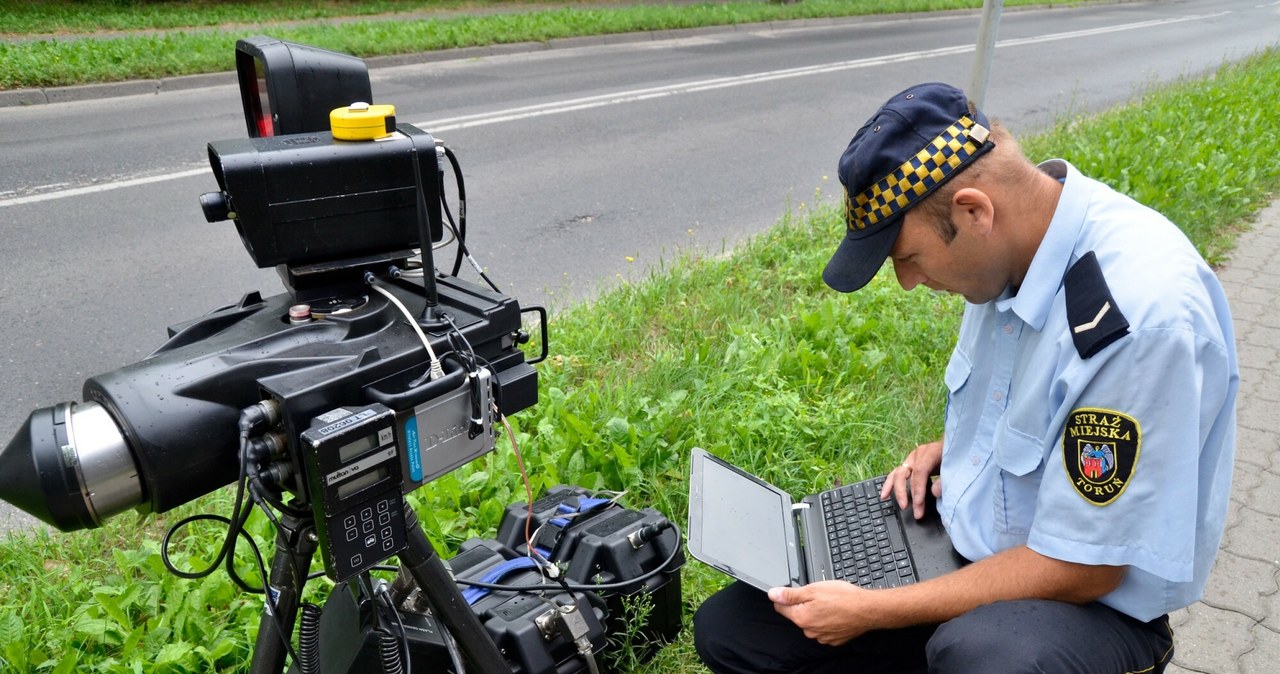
(293,558)
(462,250)
(453,229)
(272,609)
(380,567)
(385,596)
(390,655)
(309,639)
(567,586)
(472,363)
(164,550)
(251,418)
(260,494)
(459,232)
(268,492)
(234,525)
(452,645)
(621,585)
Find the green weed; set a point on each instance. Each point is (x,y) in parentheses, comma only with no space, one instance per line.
(200,37)
(1201,152)
(747,355)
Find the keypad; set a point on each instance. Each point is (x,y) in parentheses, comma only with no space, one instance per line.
(865,537)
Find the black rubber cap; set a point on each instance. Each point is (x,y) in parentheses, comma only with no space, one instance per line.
(34,478)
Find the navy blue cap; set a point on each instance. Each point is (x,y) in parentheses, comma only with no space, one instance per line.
(916,142)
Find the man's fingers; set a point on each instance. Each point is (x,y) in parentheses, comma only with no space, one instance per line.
(902,484)
(786,596)
(896,483)
(919,483)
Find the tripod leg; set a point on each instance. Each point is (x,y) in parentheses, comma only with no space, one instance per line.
(422,562)
(294,541)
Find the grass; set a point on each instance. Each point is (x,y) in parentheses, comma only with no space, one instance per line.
(748,355)
(182,38)
(1201,160)
(43,17)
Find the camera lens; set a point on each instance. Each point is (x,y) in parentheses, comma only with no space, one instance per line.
(215,205)
(70,466)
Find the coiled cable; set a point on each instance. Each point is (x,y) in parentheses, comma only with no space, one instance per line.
(309,639)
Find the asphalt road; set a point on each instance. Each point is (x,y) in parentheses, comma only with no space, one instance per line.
(583,165)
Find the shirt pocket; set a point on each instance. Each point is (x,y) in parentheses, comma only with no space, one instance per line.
(1020,458)
(958,370)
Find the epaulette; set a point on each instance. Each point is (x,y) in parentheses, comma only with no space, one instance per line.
(1094,318)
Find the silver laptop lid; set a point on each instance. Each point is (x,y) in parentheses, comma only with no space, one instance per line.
(740,524)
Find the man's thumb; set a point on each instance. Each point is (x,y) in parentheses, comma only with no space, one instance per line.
(783,595)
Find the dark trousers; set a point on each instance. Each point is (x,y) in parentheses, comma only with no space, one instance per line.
(737,631)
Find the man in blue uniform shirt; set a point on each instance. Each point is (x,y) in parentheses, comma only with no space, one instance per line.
(1090,427)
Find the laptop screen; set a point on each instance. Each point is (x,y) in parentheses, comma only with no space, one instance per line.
(739,524)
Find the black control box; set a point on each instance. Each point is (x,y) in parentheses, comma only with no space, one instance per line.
(524,625)
(354,481)
(590,538)
(355,631)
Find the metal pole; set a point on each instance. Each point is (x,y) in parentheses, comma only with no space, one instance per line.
(295,546)
(986,47)
(435,581)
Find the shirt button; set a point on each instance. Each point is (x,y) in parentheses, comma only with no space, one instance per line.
(997,396)
(1008,328)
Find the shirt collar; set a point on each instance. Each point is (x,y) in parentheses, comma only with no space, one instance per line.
(1035,297)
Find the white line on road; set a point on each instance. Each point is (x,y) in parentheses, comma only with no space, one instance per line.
(101,187)
(557,107)
(572,105)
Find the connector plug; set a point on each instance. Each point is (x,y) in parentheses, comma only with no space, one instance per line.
(643,535)
(574,627)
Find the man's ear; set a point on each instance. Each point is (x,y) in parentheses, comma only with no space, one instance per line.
(971,209)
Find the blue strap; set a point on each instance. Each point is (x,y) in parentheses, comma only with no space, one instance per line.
(591,503)
(584,505)
(549,536)
(473,594)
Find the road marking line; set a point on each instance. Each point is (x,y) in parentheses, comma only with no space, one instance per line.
(101,187)
(571,105)
(635,95)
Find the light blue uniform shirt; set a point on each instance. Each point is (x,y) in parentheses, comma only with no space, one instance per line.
(1015,377)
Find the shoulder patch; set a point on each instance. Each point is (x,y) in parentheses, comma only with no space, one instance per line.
(1094,318)
(1100,451)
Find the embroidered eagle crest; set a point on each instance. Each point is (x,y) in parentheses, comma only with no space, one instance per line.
(1100,451)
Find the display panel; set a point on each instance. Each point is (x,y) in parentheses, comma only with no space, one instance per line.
(746,523)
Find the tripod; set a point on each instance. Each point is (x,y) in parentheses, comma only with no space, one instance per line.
(295,546)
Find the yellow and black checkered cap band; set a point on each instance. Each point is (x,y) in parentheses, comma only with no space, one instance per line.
(904,186)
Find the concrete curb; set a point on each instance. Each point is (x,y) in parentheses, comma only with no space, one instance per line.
(40,96)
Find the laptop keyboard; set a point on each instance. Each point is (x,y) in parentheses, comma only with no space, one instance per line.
(865,536)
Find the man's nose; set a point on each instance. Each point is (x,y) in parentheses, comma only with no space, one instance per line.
(908,276)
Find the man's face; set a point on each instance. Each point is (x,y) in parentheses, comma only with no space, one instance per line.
(969,265)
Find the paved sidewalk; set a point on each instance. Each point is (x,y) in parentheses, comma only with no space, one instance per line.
(1236,628)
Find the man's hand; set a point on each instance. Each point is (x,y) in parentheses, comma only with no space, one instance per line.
(831,611)
(912,477)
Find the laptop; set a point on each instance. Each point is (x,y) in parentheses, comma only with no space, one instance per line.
(754,532)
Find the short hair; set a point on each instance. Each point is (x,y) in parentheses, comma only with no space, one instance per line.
(1004,163)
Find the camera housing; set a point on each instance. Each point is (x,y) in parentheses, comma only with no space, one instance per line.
(362,383)
(288,88)
(331,215)
(318,208)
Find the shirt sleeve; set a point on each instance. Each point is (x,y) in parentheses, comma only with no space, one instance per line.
(1121,486)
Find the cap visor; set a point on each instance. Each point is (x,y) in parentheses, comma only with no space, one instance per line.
(856,261)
